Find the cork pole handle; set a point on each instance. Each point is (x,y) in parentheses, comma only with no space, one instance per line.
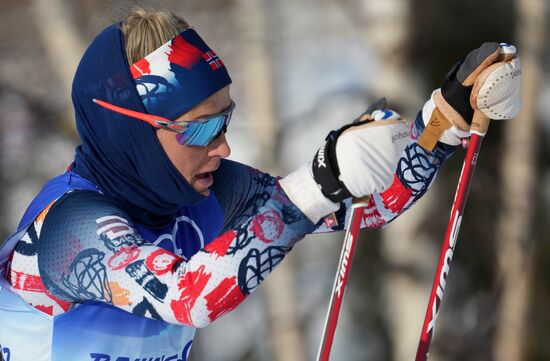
(480,123)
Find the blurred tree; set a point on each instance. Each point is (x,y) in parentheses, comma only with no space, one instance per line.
(514,232)
(442,33)
(62,44)
(387,28)
(34,112)
(286,336)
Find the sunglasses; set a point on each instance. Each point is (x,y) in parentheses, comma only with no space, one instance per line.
(200,132)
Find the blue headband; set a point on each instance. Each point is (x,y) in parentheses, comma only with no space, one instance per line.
(179,75)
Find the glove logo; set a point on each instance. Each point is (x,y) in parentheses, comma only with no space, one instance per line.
(321,157)
(401,135)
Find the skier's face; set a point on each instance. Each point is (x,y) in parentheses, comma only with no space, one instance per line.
(196,164)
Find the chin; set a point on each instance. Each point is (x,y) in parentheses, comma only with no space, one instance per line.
(204,192)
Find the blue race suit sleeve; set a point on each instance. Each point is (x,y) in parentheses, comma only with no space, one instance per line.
(242,190)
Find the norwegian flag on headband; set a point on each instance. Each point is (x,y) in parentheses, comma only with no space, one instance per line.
(213,60)
(179,75)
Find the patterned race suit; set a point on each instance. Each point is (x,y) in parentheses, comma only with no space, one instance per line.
(82,261)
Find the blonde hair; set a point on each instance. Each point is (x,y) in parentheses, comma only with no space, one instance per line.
(146,29)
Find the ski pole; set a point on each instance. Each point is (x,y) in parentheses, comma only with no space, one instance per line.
(479,127)
(346,256)
(341,278)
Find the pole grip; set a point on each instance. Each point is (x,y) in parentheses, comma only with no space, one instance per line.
(480,123)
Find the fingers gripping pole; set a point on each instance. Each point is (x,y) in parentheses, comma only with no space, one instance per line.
(341,279)
(480,124)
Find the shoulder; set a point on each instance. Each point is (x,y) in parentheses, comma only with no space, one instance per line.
(80,230)
(83,216)
(82,205)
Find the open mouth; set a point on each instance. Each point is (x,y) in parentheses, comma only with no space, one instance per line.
(205,179)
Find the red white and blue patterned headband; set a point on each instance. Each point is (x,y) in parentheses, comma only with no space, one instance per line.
(179,75)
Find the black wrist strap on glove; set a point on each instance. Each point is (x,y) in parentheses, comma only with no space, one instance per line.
(456,94)
(325,165)
(326,172)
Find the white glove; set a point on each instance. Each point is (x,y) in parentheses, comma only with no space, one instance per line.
(368,154)
(496,91)
(357,160)
(487,80)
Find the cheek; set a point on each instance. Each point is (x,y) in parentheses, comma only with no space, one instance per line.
(186,159)
(188,162)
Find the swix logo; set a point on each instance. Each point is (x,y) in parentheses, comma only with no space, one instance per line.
(344,265)
(174,357)
(5,354)
(445,270)
(321,157)
(474,158)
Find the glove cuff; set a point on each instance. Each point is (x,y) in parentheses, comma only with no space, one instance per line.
(438,128)
(302,189)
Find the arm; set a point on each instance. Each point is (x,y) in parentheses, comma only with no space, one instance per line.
(487,80)
(81,258)
(242,191)
(415,173)
(446,118)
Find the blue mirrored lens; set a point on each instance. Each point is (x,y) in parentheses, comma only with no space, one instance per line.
(202,133)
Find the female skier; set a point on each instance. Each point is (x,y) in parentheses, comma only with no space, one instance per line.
(152,233)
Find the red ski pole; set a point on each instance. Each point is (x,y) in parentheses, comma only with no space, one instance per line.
(341,279)
(346,256)
(479,128)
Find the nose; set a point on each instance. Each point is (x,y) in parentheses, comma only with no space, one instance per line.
(219,147)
